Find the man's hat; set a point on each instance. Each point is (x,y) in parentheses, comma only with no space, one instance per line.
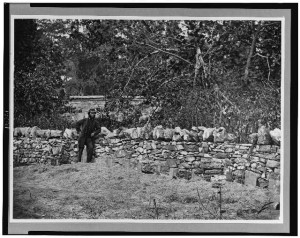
(92,110)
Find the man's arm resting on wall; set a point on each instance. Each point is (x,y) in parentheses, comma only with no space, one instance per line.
(97,129)
(78,125)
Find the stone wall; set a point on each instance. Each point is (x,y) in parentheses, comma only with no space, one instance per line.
(81,105)
(257,165)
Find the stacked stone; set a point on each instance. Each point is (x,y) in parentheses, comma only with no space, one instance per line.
(44,151)
(264,170)
(178,153)
(183,159)
(239,160)
(187,159)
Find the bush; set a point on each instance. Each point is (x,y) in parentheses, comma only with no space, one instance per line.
(44,121)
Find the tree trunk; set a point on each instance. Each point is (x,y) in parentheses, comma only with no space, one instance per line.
(197,65)
(252,48)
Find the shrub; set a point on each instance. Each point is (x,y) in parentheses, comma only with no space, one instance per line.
(44,121)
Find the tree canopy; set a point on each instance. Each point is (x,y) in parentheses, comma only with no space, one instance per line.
(212,73)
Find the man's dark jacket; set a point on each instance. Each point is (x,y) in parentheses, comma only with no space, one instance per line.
(85,128)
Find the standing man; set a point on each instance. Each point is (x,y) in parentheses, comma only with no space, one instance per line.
(88,129)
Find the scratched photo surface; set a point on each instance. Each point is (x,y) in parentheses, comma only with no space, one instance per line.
(146,119)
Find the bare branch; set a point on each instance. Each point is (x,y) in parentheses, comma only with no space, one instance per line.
(133,68)
(267,63)
(167,82)
(166,52)
(265,206)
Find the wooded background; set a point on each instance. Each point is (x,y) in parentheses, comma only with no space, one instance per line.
(210,73)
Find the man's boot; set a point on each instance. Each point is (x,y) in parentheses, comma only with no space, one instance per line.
(80,154)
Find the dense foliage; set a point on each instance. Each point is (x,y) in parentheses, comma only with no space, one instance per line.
(211,73)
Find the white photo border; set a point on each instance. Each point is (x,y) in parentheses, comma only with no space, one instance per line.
(284,79)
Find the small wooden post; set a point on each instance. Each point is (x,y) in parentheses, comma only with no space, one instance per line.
(220,202)
(173,172)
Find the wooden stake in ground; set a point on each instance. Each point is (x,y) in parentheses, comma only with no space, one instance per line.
(156,209)
(220,202)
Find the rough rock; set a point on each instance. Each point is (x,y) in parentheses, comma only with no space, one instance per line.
(186,174)
(28,131)
(200,135)
(176,137)
(186,135)
(263,136)
(264,148)
(56,133)
(213,171)
(171,163)
(178,130)
(238,173)
(220,135)
(185,165)
(221,155)
(195,129)
(272,156)
(252,138)
(33,131)
(134,134)
(230,137)
(274,181)
(194,135)
(251,178)
(190,158)
(24,131)
(208,134)
(212,165)
(202,128)
(68,133)
(229,150)
(148,168)
(191,148)
(17,132)
(120,132)
(198,171)
(47,133)
(105,131)
(217,178)
(158,133)
(121,154)
(179,147)
(263,183)
(273,164)
(168,133)
(276,206)
(40,133)
(140,132)
(205,147)
(276,136)
(56,150)
(173,173)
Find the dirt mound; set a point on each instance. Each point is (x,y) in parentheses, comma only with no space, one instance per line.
(94,191)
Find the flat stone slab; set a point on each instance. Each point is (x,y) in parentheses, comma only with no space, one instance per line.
(221,155)
(251,178)
(213,171)
(272,164)
(191,148)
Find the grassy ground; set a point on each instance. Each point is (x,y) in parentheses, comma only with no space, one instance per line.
(95,191)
